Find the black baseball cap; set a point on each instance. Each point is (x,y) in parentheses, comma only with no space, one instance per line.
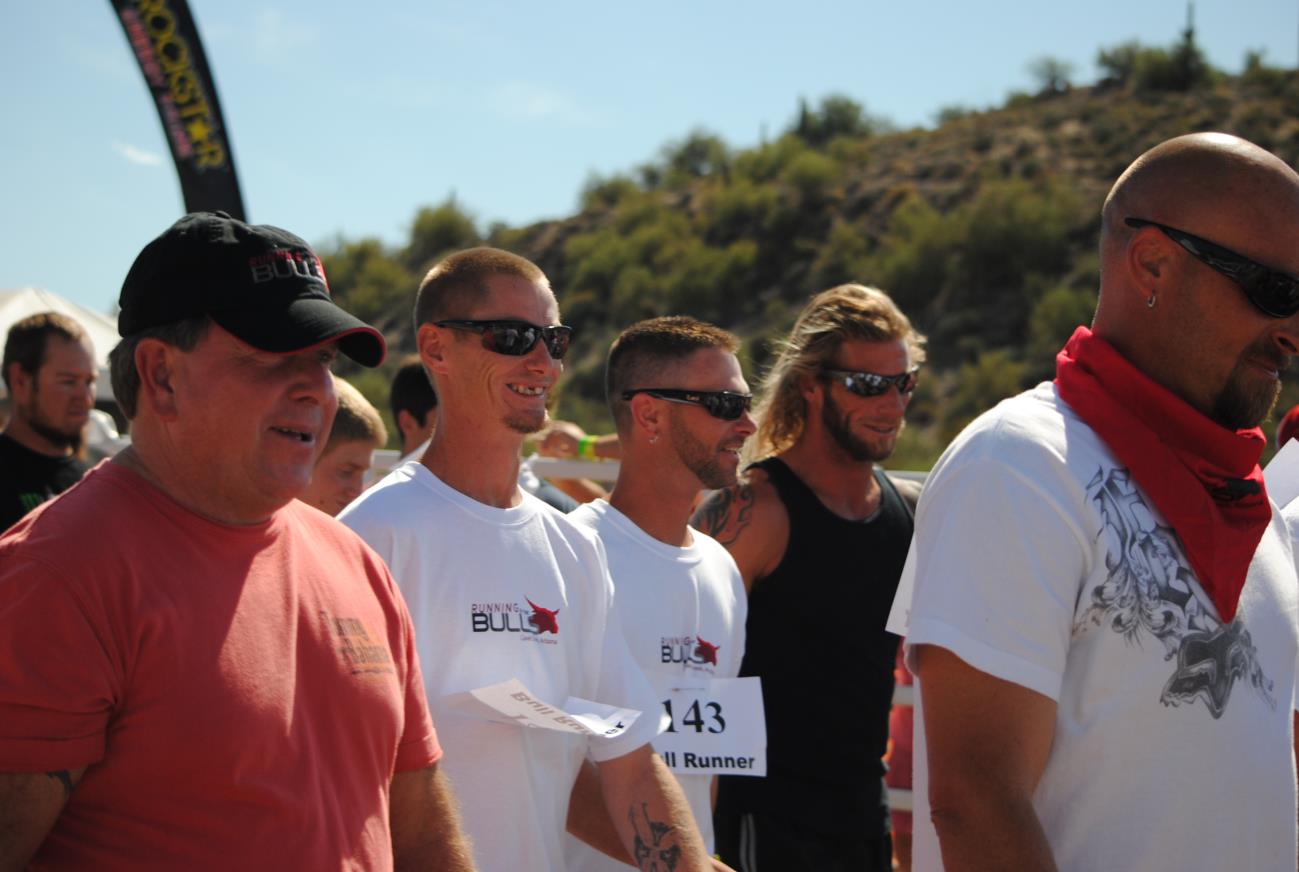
(261,283)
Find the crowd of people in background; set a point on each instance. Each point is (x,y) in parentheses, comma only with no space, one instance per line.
(228,642)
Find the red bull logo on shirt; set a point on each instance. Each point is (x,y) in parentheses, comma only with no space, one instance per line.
(529,621)
(689,651)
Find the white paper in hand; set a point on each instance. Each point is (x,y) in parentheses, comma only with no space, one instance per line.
(509,702)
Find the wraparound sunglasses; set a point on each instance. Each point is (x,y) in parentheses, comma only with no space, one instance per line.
(515,338)
(872,384)
(1273,293)
(725,405)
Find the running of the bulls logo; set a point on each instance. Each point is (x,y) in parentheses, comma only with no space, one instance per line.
(690,651)
(543,619)
(706,651)
(530,620)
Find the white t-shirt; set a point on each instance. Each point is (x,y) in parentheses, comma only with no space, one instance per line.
(682,611)
(529,481)
(1039,561)
(473,575)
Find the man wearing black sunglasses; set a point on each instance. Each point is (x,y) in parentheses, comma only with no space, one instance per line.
(680,403)
(820,534)
(503,587)
(1103,622)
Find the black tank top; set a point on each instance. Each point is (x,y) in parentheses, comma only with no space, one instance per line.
(815,636)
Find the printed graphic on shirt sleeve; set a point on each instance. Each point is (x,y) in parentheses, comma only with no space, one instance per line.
(1149,591)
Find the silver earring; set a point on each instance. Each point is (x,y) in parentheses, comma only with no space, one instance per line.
(654,437)
(1150,303)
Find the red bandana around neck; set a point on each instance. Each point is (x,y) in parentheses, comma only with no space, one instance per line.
(1203,478)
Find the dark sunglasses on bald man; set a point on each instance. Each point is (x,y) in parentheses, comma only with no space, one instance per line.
(872,384)
(1273,293)
(515,338)
(725,405)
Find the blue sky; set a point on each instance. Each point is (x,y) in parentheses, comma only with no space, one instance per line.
(345,122)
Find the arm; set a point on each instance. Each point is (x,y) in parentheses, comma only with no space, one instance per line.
(588,818)
(425,823)
(563,439)
(651,814)
(751,522)
(30,803)
(988,741)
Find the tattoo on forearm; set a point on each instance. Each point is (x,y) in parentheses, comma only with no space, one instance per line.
(726,513)
(661,853)
(64,777)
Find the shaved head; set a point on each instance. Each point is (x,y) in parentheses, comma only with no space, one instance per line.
(1215,185)
(1177,318)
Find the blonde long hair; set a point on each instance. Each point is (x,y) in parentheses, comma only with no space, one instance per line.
(842,313)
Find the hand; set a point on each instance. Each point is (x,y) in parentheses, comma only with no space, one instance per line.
(719,866)
(561,440)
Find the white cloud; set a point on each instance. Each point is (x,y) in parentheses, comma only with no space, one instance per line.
(525,101)
(137,155)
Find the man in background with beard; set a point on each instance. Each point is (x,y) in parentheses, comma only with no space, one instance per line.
(820,535)
(49,370)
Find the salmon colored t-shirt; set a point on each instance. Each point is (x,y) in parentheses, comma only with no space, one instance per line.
(241,696)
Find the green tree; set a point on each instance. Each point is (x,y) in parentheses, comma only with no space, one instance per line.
(837,116)
(915,255)
(1056,315)
(980,385)
(699,154)
(845,256)
(437,231)
(812,176)
(1183,67)
(1118,63)
(1053,75)
(605,192)
(369,281)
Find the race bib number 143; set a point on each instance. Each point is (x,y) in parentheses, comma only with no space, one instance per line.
(716,726)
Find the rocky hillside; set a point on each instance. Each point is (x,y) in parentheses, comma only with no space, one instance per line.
(983,228)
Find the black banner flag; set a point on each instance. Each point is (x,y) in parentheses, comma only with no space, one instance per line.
(166,43)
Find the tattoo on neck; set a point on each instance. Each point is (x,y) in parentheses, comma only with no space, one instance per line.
(661,853)
(64,777)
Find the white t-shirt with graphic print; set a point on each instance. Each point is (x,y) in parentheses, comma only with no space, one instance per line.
(682,611)
(473,577)
(1039,561)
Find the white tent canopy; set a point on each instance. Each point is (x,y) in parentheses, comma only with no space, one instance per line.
(102,329)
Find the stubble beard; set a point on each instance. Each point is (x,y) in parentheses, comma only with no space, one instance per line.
(835,422)
(702,460)
(47,431)
(527,423)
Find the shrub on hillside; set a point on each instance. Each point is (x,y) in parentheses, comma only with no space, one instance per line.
(438,231)
(368,280)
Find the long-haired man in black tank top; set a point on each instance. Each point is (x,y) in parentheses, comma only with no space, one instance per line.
(820,535)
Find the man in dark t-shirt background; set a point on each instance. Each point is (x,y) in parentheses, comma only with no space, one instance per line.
(820,534)
(49,371)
